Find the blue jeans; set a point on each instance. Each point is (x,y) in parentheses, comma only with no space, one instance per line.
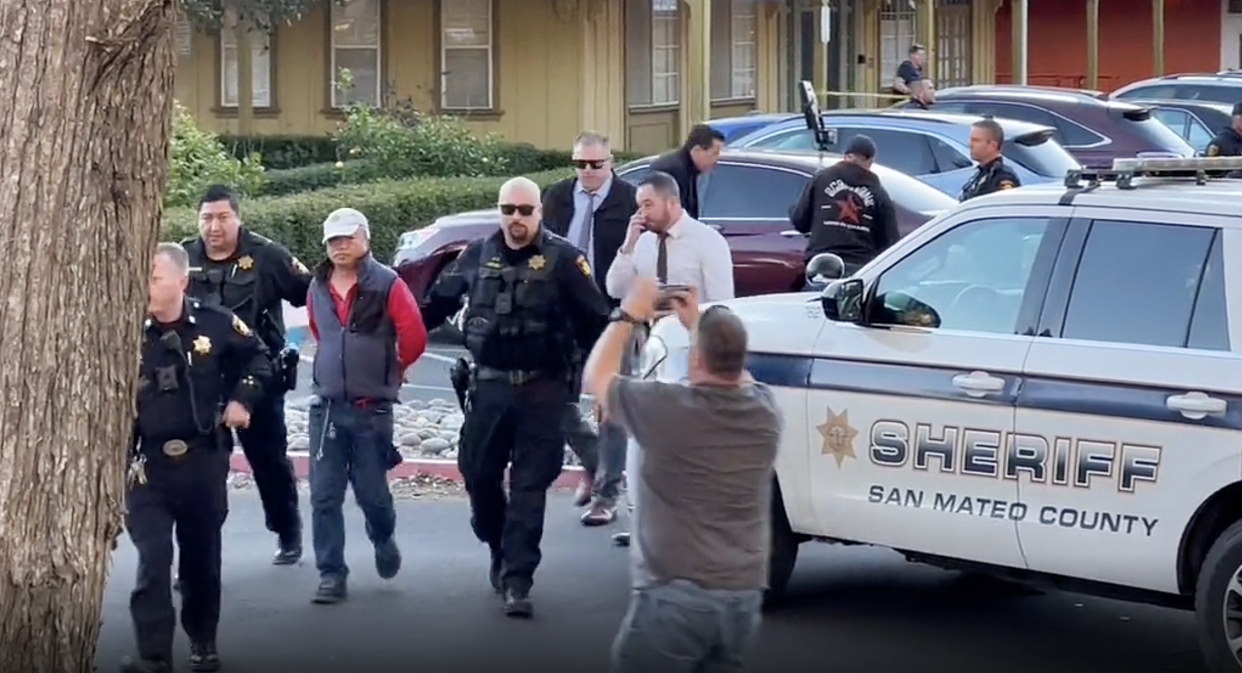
(684,628)
(350,445)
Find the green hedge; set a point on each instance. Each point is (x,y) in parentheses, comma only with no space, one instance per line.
(392,207)
(280,152)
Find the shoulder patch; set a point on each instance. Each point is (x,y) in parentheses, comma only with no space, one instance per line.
(1006,184)
(583,265)
(1212,150)
(241,327)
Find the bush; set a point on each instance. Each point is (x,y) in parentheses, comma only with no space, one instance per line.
(284,152)
(199,159)
(316,176)
(392,207)
(404,143)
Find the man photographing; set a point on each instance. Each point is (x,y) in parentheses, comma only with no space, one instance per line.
(703,486)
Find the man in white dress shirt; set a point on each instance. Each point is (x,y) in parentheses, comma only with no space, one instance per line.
(665,244)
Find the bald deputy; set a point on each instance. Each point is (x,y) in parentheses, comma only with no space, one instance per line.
(532,304)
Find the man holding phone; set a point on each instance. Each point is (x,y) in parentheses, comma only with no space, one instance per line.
(664,243)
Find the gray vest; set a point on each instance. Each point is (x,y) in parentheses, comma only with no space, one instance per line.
(356,360)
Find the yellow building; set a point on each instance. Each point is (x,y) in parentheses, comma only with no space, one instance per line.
(540,71)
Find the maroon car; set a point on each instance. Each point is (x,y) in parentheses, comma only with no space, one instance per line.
(747,198)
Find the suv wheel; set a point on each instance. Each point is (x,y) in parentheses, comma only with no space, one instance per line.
(783,553)
(1218,603)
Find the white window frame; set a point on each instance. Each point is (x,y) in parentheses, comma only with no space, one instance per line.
(490,48)
(377,47)
(740,18)
(260,59)
(898,32)
(669,80)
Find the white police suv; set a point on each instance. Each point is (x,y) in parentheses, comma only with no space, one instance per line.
(1044,382)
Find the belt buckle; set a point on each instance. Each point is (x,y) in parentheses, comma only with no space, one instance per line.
(175,448)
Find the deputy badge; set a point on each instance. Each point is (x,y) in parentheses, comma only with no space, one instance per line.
(583,265)
(838,436)
(245,263)
(240,327)
(202,345)
(538,262)
(300,267)
(1213,150)
(1006,184)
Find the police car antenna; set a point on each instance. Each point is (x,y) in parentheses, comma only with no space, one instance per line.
(1125,170)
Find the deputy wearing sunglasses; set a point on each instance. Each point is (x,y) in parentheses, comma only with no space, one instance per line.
(532,306)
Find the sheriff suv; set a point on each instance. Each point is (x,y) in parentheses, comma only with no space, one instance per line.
(1044,383)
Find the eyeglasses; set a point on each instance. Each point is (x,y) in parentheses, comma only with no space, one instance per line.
(583,164)
(525,210)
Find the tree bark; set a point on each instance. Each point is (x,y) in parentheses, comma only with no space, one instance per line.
(84,139)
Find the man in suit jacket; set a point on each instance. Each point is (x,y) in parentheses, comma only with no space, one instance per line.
(691,163)
(593,211)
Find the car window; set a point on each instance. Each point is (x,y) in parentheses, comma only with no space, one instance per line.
(635,174)
(1154,91)
(1067,133)
(789,139)
(1176,120)
(746,191)
(1138,283)
(974,277)
(1215,94)
(947,157)
(1046,158)
(1198,135)
(1209,324)
(903,151)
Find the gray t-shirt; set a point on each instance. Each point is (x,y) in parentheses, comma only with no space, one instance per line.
(704,488)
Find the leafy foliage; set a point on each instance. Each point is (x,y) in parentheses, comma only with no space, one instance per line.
(200,159)
(264,15)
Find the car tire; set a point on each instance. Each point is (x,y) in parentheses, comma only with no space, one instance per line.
(1212,598)
(782,554)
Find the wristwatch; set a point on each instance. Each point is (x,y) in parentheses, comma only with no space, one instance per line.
(619,315)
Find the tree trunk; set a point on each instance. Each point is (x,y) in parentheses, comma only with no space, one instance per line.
(84,139)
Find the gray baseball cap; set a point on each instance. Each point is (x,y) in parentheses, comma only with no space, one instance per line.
(345,222)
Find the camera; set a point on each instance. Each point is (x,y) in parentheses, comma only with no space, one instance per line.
(667,293)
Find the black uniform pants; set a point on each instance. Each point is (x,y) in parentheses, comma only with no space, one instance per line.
(519,426)
(188,495)
(266,446)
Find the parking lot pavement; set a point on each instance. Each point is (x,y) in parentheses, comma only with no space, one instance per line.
(852,609)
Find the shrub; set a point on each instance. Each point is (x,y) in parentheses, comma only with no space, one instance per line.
(281,152)
(405,142)
(391,206)
(316,176)
(199,159)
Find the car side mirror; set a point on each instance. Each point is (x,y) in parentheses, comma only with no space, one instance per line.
(842,301)
(823,269)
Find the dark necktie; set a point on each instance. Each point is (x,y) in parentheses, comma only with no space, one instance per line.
(662,260)
(588,220)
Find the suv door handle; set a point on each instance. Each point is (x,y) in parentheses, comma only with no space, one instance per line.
(1196,405)
(792,233)
(978,384)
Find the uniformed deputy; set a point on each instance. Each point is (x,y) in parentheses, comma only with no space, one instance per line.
(986,139)
(532,302)
(1228,142)
(250,275)
(201,373)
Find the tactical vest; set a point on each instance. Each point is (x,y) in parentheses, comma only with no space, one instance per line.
(513,304)
(235,286)
(357,359)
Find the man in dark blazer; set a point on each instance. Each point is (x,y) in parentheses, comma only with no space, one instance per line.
(593,211)
(694,160)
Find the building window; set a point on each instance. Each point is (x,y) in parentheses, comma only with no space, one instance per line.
(260,69)
(896,36)
(735,25)
(653,52)
(1234,7)
(953,39)
(356,75)
(467,73)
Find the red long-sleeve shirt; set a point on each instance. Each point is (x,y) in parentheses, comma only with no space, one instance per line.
(402,311)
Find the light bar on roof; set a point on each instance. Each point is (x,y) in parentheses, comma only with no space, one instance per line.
(1178,164)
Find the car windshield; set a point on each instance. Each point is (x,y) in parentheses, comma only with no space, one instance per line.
(1044,157)
(1159,136)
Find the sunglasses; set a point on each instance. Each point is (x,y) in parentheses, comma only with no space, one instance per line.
(583,164)
(525,210)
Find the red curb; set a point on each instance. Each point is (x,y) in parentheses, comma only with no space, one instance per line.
(443,469)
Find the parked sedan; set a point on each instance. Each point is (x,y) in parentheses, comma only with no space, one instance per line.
(747,199)
(931,146)
(1196,121)
(736,127)
(1095,131)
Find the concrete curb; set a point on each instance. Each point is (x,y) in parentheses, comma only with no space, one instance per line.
(432,467)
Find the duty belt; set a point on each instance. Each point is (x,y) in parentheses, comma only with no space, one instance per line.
(176,448)
(514,377)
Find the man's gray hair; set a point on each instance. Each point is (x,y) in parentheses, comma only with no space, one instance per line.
(175,254)
(664,184)
(592,138)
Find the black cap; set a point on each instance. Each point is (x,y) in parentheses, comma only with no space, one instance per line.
(1237,109)
(861,146)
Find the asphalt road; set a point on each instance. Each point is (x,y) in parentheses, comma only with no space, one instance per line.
(852,609)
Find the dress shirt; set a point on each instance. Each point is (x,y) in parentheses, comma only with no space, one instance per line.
(581,198)
(698,256)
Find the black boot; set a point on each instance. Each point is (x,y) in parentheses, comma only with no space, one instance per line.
(518,605)
(204,657)
(290,550)
(131,665)
(496,572)
(331,590)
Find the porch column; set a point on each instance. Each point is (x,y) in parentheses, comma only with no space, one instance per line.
(1157,37)
(1093,44)
(929,39)
(696,104)
(819,57)
(1018,26)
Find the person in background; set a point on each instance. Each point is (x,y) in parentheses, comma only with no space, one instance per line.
(1228,141)
(368,331)
(846,210)
(910,70)
(704,485)
(691,164)
(923,94)
(593,210)
(986,139)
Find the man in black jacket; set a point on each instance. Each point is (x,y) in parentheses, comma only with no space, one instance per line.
(593,211)
(697,157)
(846,210)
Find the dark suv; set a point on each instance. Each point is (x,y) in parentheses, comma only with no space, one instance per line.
(1092,129)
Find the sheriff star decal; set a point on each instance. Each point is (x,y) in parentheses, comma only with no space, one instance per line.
(538,262)
(245,263)
(1213,150)
(202,345)
(240,327)
(838,436)
(1006,184)
(583,265)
